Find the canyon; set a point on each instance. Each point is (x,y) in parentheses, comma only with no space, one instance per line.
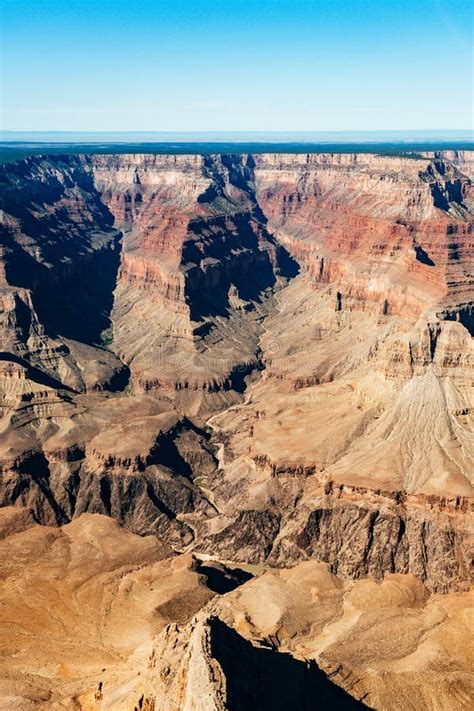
(236,431)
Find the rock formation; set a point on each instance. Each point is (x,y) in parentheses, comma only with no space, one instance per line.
(261,359)
(94,617)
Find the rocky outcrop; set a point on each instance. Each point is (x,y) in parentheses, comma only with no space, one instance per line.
(359,542)
(384,643)
(358,533)
(95,617)
(146,484)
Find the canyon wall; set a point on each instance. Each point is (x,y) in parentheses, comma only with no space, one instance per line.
(267,358)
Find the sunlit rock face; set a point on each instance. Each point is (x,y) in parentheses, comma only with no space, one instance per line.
(262,359)
(198,266)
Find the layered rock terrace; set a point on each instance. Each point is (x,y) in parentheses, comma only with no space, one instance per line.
(261,359)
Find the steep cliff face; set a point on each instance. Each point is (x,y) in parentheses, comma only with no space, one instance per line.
(197,266)
(265,357)
(58,237)
(361,222)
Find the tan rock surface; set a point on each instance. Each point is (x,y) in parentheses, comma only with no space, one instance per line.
(80,605)
(94,617)
(390,644)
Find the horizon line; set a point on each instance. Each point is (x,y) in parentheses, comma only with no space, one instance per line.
(243,131)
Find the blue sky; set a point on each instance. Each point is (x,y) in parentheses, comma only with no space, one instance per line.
(242,65)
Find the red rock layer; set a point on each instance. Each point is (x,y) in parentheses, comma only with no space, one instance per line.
(395,231)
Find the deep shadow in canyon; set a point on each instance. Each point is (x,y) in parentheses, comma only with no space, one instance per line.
(269,680)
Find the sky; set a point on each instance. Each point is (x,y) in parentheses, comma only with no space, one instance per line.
(245,65)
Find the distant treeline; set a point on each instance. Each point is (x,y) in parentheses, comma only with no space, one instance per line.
(10,151)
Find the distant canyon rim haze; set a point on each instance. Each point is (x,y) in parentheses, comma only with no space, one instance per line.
(19,144)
